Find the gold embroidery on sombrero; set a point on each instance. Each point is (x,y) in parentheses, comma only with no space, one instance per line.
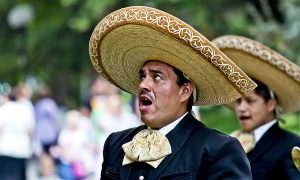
(165,23)
(149,146)
(263,53)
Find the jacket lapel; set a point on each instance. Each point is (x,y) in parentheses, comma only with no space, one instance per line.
(264,143)
(177,137)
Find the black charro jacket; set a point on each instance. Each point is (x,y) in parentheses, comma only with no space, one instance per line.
(271,158)
(197,153)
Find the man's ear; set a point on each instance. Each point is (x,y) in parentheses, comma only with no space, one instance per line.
(187,90)
(272,103)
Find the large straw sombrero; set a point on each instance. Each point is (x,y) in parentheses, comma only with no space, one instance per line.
(265,65)
(125,39)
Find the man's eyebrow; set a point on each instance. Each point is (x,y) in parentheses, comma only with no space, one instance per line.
(248,98)
(156,71)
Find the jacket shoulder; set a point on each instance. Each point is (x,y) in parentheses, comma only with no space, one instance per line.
(211,138)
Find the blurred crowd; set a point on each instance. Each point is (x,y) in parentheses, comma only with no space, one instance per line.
(41,140)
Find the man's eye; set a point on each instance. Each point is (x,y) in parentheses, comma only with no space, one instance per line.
(157,77)
(142,76)
(239,101)
(249,101)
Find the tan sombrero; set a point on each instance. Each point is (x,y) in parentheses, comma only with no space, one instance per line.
(125,39)
(265,65)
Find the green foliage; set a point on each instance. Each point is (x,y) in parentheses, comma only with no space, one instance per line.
(224,120)
(291,122)
(219,118)
(53,47)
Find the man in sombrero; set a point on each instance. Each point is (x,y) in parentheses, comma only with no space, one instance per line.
(268,147)
(170,67)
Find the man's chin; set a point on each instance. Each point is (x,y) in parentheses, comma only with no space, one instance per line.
(246,130)
(245,127)
(150,122)
(244,123)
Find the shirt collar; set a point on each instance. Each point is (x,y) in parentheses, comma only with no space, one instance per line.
(165,130)
(260,131)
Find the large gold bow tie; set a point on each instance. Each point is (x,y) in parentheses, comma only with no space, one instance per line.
(247,140)
(149,146)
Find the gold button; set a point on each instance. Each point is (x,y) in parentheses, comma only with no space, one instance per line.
(141,178)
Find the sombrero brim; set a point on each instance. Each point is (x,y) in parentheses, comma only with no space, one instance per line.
(265,65)
(125,39)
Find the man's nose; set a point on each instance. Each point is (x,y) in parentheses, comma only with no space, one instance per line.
(241,106)
(145,84)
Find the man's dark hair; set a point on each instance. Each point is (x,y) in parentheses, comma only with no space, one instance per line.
(181,79)
(263,91)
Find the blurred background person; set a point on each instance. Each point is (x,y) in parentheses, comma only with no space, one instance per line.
(17,125)
(74,149)
(46,132)
(117,116)
(23,94)
(109,113)
(47,119)
(47,168)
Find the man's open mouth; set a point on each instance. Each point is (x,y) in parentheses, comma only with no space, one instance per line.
(243,118)
(145,101)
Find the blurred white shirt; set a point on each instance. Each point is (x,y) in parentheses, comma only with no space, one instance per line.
(16,127)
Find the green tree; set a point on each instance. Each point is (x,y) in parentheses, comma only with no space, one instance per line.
(53,47)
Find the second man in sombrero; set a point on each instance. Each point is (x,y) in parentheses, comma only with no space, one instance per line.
(170,67)
(268,147)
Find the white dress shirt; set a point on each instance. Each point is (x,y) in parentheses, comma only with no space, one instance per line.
(260,131)
(165,130)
